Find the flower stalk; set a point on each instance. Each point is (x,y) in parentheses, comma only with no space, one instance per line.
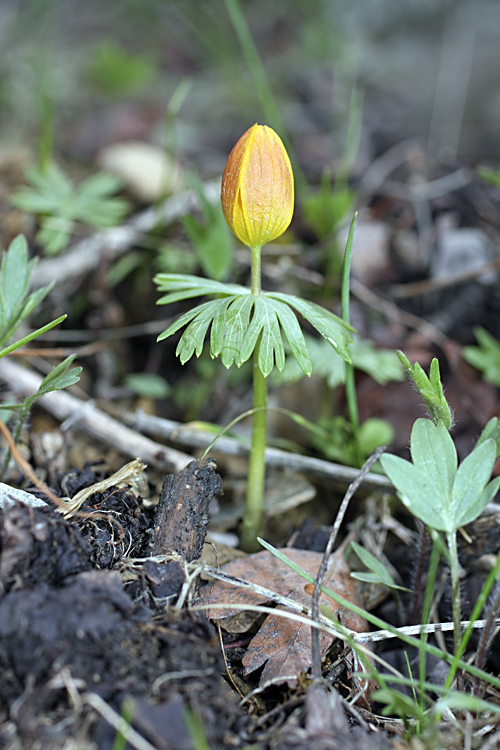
(257,201)
(252,517)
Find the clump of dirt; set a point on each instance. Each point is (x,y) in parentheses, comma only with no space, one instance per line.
(72,638)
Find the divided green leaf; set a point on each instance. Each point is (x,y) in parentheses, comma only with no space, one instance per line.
(432,487)
(240,320)
(52,196)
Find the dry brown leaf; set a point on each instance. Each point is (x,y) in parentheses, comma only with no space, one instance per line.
(282,645)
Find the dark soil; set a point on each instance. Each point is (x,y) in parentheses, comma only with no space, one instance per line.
(76,622)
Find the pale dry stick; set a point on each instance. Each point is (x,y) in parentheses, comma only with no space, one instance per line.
(90,419)
(439,627)
(393,312)
(150,328)
(429,190)
(62,352)
(255,588)
(196,437)
(376,176)
(323,568)
(86,254)
(324,623)
(417,288)
(117,722)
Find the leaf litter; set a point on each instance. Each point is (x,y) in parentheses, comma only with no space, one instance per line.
(283,647)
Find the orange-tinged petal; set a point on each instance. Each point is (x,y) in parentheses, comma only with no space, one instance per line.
(257,187)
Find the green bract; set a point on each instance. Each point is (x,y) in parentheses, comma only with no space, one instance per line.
(430,388)
(443,496)
(239,319)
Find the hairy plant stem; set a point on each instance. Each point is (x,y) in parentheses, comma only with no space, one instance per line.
(252,517)
(455,588)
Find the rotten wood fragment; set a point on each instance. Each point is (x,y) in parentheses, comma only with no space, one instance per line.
(182,512)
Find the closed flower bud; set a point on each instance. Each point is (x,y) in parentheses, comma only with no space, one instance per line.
(257,187)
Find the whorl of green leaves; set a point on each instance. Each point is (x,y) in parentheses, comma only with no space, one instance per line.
(238,319)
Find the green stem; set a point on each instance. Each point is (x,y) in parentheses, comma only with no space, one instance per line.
(256,272)
(455,588)
(31,336)
(257,467)
(426,610)
(252,517)
(350,383)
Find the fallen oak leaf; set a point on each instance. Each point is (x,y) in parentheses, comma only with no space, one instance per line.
(283,646)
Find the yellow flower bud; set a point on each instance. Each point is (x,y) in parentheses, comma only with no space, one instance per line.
(257,187)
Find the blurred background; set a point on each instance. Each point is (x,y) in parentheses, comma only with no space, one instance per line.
(387,107)
(121,69)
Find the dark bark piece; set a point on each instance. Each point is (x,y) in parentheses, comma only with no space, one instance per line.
(182,512)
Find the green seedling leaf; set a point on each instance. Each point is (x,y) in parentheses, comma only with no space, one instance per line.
(415,490)
(14,280)
(211,239)
(486,356)
(217,333)
(271,343)
(490,175)
(491,430)
(430,389)
(147,385)
(15,303)
(54,234)
(471,493)
(379,574)
(185,286)
(433,451)
(380,364)
(333,437)
(192,339)
(374,432)
(60,377)
(398,704)
(31,336)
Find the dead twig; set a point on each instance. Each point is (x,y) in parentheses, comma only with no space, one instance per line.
(194,436)
(88,417)
(86,255)
(417,288)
